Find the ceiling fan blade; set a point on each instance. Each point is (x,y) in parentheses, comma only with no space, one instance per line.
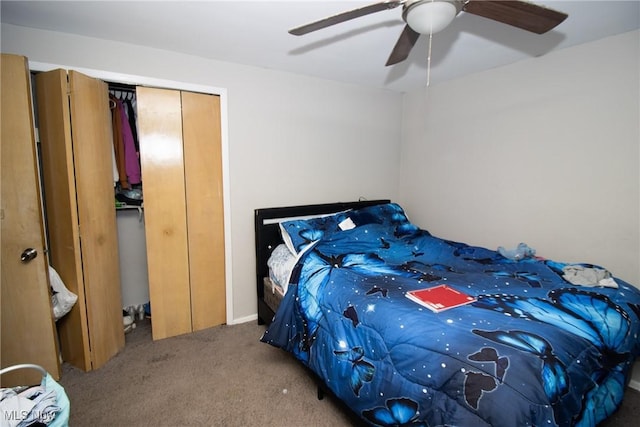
(345,16)
(403,46)
(520,14)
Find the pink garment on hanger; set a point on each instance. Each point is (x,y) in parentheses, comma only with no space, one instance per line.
(131,162)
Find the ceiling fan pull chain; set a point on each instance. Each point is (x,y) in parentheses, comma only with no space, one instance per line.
(429,60)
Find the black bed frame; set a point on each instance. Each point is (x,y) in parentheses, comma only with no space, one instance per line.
(268,237)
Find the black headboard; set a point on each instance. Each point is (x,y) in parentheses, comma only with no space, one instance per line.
(268,237)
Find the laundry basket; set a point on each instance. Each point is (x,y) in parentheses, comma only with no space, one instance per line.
(11,416)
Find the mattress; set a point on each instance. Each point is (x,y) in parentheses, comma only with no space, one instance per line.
(272,294)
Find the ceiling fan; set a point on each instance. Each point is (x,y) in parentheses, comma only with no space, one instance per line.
(431,16)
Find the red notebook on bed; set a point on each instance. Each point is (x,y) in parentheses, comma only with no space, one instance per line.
(439,298)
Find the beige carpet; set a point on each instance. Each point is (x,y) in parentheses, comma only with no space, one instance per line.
(222,376)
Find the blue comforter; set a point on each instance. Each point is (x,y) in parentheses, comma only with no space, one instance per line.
(533,349)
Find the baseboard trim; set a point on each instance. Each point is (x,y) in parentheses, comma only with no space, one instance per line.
(634,384)
(250,318)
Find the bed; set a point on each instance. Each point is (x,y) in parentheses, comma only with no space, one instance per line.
(509,339)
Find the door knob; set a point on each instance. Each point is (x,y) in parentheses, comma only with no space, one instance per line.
(28,254)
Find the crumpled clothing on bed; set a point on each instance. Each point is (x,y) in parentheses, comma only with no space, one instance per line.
(588,276)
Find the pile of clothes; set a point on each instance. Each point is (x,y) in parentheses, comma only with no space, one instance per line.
(42,405)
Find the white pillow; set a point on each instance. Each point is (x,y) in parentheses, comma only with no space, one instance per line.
(281,263)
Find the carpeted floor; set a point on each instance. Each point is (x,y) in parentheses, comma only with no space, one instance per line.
(222,376)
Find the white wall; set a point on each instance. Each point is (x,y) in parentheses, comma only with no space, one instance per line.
(292,139)
(544,151)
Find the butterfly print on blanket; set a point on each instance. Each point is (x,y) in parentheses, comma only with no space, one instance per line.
(361,370)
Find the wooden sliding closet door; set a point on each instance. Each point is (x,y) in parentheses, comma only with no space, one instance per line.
(62,210)
(165,215)
(205,215)
(180,148)
(75,129)
(27,327)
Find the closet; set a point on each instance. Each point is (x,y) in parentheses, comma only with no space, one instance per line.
(180,146)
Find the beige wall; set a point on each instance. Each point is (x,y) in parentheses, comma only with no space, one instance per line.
(292,139)
(544,151)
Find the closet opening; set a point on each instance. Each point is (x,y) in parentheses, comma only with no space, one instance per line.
(129,206)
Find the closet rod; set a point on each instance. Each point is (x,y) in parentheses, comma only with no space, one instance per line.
(122,87)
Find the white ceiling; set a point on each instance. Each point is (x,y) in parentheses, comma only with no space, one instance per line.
(255,33)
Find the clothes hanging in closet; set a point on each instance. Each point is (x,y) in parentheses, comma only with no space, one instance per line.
(125,144)
(131,114)
(118,143)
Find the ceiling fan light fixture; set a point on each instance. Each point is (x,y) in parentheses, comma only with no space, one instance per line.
(429,16)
